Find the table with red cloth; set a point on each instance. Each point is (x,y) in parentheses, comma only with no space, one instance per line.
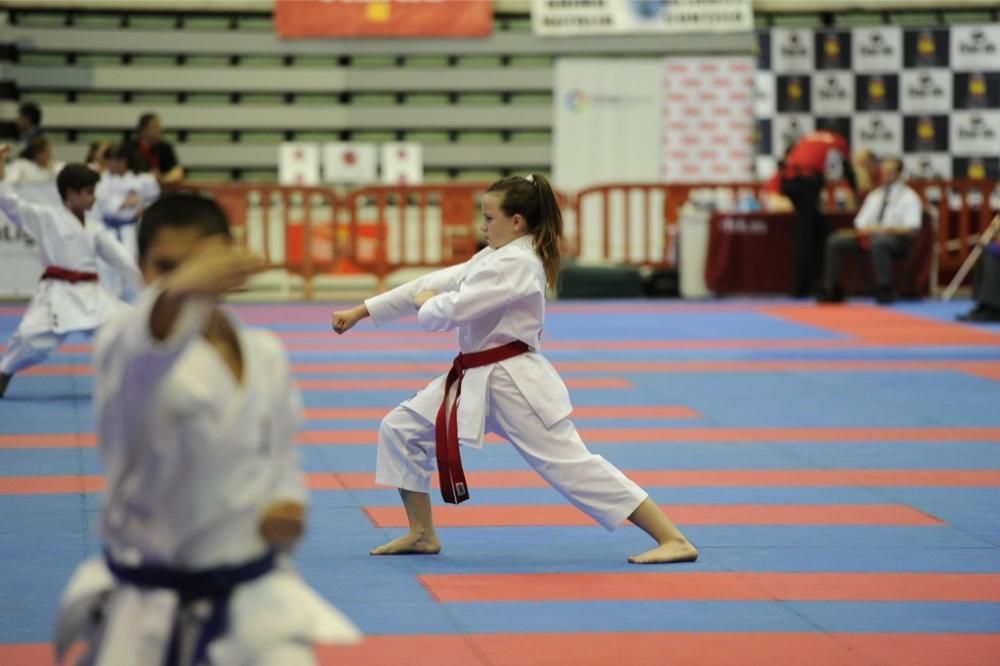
(752,253)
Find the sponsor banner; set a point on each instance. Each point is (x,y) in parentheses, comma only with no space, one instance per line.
(833,93)
(925,47)
(608,120)
(707,132)
(794,94)
(927,166)
(761,138)
(977,90)
(833,50)
(402,163)
(923,134)
(792,50)
(877,92)
(877,49)
(788,129)
(763,46)
(558,18)
(350,163)
(763,94)
(976,168)
(975,133)
(975,47)
(298,164)
(925,91)
(880,132)
(385,18)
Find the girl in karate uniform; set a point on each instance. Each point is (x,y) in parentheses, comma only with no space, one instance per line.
(496,300)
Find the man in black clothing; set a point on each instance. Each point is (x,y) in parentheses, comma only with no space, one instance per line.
(149,153)
(986,288)
(29,125)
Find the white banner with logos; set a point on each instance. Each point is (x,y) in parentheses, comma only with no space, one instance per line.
(20,266)
(708,120)
(607,121)
(559,18)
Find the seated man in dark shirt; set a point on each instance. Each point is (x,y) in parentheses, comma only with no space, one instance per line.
(149,153)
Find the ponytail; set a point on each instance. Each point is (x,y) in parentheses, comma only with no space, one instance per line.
(533,198)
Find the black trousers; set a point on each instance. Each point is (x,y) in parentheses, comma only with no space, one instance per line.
(811,230)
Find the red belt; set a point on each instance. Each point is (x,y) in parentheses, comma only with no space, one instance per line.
(454,490)
(66,275)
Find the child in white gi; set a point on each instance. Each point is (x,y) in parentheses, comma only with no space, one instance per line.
(496,300)
(196,419)
(121,197)
(68,297)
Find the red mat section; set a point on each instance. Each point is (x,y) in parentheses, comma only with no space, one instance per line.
(721,586)
(611,436)
(34,485)
(584,412)
(638,649)
(686,514)
(883,326)
(916,478)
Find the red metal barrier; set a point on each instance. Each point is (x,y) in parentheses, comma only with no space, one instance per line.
(312,231)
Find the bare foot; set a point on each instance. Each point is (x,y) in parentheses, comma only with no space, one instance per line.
(672,551)
(411,544)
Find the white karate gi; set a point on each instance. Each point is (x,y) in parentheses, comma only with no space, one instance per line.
(192,458)
(496,297)
(109,206)
(59,307)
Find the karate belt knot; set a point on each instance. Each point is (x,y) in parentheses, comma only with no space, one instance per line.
(215,585)
(454,489)
(66,275)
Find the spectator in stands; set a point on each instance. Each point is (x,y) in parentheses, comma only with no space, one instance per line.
(149,153)
(813,160)
(36,163)
(885,227)
(95,155)
(29,125)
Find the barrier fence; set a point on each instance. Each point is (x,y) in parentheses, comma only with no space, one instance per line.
(313,231)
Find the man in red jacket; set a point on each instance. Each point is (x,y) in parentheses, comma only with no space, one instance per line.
(817,157)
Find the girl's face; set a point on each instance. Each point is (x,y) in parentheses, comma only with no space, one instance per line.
(498,227)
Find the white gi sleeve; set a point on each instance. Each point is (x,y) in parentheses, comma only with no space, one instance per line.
(868,213)
(130,362)
(147,187)
(288,420)
(493,285)
(107,201)
(397,303)
(28,216)
(112,251)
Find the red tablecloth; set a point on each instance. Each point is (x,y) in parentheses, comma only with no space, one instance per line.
(752,253)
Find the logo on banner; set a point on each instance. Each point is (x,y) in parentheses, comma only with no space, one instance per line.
(833,50)
(926,170)
(976,169)
(977,90)
(794,47)
(927,48)
(576,100)
(876,131)
(795,90)
(925,88)
(832,90)
(876,46)
(793,93)
(876,92)
(791,132)
(978,43)
(976,130)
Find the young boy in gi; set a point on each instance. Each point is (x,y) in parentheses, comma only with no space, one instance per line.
(69,297)
(196,418)
(496,300)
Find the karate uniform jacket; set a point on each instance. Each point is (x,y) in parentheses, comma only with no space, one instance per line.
(192,458)
(58,306)
(494,298)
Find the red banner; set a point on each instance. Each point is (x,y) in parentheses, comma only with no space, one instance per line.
(385,18)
